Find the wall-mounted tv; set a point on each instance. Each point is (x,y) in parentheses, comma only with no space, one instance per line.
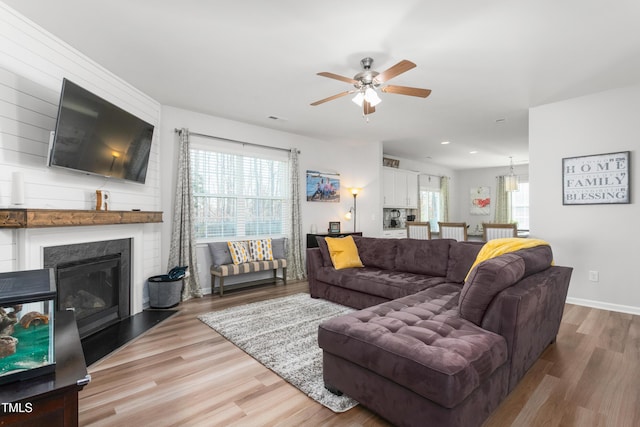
(96,137)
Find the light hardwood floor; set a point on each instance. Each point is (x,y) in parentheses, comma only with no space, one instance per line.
(184,373)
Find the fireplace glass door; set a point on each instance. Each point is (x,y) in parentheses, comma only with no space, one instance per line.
(90,288)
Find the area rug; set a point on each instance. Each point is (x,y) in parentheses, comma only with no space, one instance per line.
(282,334)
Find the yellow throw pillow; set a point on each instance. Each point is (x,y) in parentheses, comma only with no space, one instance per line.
(260,250)
(239,251)
(343,252)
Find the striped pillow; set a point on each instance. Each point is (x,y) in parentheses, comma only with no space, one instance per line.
(239,252)
(260,250)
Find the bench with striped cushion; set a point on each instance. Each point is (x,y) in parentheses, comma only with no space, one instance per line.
(225,270)
(223,265)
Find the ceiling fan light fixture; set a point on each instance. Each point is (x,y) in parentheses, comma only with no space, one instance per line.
(371,96)
(358,99)
(365,84)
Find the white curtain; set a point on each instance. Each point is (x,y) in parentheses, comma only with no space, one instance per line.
(295,258)
(503,203)
(444,198)
(183,244)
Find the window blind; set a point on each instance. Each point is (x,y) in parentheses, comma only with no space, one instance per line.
(239,194)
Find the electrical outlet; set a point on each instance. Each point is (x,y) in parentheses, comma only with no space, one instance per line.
(593,276)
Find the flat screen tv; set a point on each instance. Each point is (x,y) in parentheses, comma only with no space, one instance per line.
(96,137)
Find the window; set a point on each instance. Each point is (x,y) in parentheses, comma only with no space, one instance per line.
(429,197)
(430,207)
(237,195)
(520,206)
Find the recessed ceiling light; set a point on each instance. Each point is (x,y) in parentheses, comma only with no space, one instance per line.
(445,142)
(473,152)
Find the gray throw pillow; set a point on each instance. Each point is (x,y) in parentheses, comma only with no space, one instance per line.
(220,253)
(279,248)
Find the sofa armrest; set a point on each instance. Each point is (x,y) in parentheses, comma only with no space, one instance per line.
(528,316)
(314,263)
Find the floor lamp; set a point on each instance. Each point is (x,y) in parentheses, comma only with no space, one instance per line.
(354,192)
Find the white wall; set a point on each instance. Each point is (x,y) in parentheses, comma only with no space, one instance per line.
(358,166)
(32,66)
(473,178)
(603,238)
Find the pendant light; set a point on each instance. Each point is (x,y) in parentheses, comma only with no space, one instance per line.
(511,180)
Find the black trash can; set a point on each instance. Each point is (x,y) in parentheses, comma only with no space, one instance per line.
(164,292)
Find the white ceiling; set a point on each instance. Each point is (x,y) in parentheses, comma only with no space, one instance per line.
(248,60)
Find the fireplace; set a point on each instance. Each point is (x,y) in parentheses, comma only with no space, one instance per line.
(93,279)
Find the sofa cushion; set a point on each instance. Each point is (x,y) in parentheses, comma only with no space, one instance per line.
(374,281)
(377,252)
(505,245)
(324,251)
(343,252)
(419,343)
(536,259)
(427,257)
(461,257)
(485,281)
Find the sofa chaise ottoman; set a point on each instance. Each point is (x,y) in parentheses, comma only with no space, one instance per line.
(448,354)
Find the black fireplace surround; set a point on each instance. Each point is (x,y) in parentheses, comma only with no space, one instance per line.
(94,280)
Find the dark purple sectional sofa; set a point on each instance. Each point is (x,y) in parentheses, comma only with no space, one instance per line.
(429,348)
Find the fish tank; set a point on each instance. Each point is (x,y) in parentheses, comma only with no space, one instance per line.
(27,306)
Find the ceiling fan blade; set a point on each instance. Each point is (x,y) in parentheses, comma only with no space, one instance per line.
(331,98)
(368,108)
(404,90)
(397,69)
(338,77)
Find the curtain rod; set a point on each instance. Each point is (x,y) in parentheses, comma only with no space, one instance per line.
(178,131)
(435,176)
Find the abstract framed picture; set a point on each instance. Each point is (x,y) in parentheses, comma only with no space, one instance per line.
(597,179)
(323,187)
(480,201)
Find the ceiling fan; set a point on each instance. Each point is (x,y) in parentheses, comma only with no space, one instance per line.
(366,82)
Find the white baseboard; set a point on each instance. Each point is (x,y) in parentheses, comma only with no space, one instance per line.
(604,305)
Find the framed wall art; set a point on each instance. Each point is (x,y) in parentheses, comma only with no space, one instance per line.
(391,163)
(323,187)
(597,179)
(334,227)
(480,201)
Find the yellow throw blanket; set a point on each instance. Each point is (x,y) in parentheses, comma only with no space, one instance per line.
(497,247)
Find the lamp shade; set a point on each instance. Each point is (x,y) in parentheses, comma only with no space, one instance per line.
(371,97)
(358,99)
(511,182)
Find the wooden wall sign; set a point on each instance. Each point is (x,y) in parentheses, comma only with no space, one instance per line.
(598,179)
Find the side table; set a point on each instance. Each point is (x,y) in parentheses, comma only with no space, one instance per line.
(312,242)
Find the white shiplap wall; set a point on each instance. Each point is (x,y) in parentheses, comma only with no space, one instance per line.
(32,66)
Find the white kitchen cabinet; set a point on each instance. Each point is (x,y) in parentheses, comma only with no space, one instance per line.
(400,188)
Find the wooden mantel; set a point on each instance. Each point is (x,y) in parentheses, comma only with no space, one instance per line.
(39,218)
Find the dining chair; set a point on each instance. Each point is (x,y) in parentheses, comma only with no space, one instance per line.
(492,231)
(453,230)
(418,230)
